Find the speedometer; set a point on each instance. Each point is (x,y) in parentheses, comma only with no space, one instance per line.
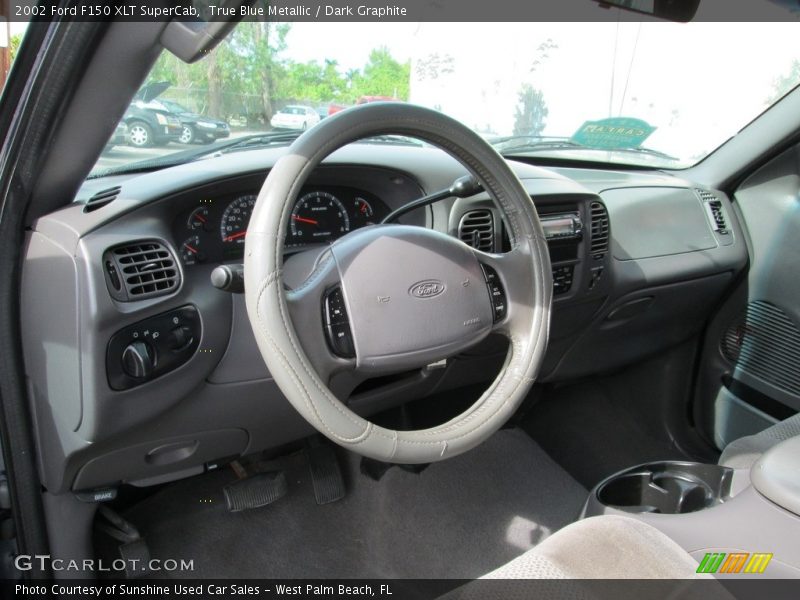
(318,217)
(235,219)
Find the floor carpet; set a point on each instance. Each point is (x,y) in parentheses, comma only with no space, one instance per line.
(592,432)
(456,519)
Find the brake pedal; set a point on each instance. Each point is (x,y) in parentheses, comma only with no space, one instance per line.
(132,549)
(326,474)
(255,491)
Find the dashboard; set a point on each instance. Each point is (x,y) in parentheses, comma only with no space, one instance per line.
(638,260)
(213,229)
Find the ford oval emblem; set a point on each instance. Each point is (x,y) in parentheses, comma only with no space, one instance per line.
(427,289)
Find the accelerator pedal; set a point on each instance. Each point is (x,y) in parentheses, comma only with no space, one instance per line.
(326,474)
(255,491)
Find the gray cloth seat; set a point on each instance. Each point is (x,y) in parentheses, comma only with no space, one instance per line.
(617,549)
(742,453)
(606,547)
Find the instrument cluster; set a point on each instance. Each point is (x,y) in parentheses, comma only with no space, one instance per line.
(214,230)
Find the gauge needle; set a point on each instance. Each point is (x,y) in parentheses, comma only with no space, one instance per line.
(235,236)
(304,220)
(191,249)
(200,218)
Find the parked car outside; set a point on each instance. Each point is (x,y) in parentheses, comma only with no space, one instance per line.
(295,117)
(148,122)
(322,111)
(334,108)
(119,136)
(368,99)
(195,127)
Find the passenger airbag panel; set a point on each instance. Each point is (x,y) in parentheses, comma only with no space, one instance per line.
(649,222)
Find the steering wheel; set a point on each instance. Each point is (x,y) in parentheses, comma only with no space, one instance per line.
(388,298)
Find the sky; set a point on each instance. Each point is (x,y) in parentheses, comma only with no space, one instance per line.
(698,83)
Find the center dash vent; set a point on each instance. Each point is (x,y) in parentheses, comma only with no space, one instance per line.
(599,231)
(100,199)
(140,270)
(476,229)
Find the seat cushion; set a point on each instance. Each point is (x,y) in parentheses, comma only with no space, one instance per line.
(742,453)
(606,547)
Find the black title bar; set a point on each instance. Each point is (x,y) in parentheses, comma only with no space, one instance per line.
(379,10)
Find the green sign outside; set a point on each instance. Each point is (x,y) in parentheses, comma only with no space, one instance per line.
(619,132)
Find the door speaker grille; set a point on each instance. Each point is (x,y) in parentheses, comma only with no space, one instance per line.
(765,343)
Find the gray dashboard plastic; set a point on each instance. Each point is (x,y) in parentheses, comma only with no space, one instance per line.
(227,386)
(674,221)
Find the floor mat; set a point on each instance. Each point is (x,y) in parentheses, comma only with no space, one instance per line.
(459,518)
(593,432)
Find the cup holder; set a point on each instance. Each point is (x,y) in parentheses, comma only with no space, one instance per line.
(667,487)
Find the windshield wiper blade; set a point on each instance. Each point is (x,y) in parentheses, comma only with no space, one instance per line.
(267,139)
(248,142)
(540,143)
(396,140)
(534,141)
(186,156)
(257,140)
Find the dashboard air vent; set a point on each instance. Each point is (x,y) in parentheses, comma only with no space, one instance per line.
(476,229)
(714,209)
(140,270)
(600,230)
(100,199)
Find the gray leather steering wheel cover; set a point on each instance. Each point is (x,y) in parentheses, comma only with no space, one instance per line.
(267,308)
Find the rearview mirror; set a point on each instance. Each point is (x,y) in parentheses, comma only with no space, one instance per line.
(191,40)
(670,10)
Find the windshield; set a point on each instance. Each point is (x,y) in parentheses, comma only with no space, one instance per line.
(658,94)
(173,106)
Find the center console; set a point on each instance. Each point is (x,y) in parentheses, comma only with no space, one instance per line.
(736,523)
(665,487)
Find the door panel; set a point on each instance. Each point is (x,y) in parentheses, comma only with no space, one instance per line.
(753,347)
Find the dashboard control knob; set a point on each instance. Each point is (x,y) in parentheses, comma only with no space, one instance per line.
(138,360)
(179,338)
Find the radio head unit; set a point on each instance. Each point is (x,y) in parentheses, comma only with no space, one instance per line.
(567,226)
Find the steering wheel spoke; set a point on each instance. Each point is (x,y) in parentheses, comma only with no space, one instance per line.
(511,282)
(393,297)
(321,323)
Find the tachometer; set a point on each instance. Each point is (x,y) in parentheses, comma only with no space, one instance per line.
(318,217)
(235,219)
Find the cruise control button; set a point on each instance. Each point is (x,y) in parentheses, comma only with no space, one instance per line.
(335,311)
(489,274)
(341,340)
(499,311)
(496,293)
